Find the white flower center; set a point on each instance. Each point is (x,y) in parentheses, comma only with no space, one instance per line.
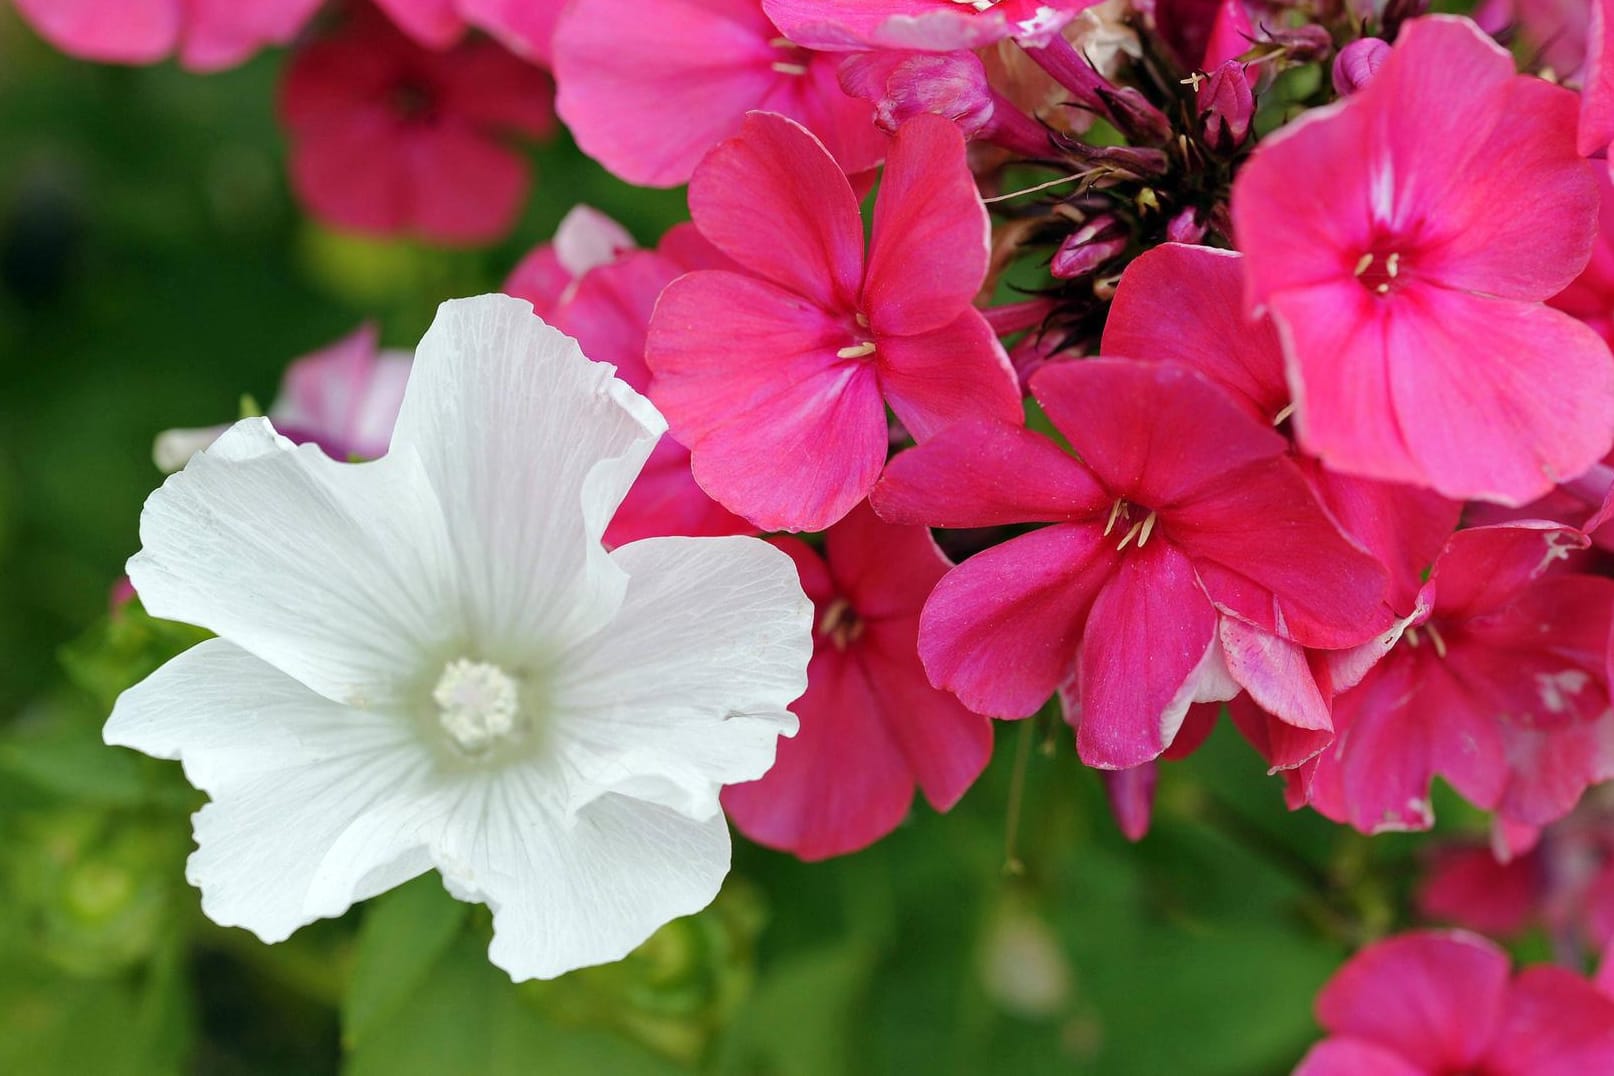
(477,704)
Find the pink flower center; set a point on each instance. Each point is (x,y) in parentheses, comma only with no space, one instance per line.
(1426,633)
(413,100)
(1139,523)
(794,58)
(978,5)
(861,347)
(840,624)
(1381,272)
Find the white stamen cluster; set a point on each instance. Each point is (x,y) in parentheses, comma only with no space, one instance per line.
(477,704)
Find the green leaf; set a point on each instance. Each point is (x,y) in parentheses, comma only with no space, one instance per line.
(799,1021)
(467,1016)
(403,935)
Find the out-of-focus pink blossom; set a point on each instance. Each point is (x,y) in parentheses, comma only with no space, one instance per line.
(595,285)
(1431,1003)
(777,377)
(1498,684)
(388,138)
(872,726)
(929,25)
(1550,34)
(343,398)
(648,95)
(1180,510)
(1403,240)
(1564,883)
(207,35)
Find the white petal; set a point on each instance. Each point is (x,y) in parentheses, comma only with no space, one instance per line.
(337,574)
(687,689)
(314,806)
(531,447)
(568,893)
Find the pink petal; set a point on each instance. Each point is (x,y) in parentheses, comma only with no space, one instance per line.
(774,200)
(490,88)
(647,96)
(1295,575)
(1275,672)
(1185,304)
(1001,630)
(1596,128)
(1530,255)
(1340,372)
(1554,1024)
(948,374)
(526,27)
(932,237)
(1529,387)
(223,33)
(1155,433)
(465,187)
(1147,634)
(1430,997)
(945,744)
(987,474)
(1484,568)
(782,431)
(111,31)
(1131,796)
(1284,746)
(1467,886)
(841,783)
(608,311)
(665,500)
(1549,769)
(885,571)
(434,23)
(1403,526)
(1354,1057)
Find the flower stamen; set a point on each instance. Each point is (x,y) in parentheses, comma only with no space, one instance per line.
(478,705)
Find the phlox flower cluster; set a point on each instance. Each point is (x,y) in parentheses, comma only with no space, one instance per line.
(1018,358)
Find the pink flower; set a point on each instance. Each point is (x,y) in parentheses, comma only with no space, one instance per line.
(344,398)
(207,34)
(777,376)
(1180,510)
(606,307)
(872,727)
(1590,296)
(390,138)
(647,96)
(928,25)
(1564,883)
(1498,684)
(1388,236)
(1430,1003)
(525,27)
(1184,304)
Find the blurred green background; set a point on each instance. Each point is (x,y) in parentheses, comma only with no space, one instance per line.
(153,269)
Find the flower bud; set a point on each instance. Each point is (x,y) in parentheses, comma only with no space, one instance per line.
(1185,227)
(1226,107)
(1357,63)
(1098,240)
(1303,44)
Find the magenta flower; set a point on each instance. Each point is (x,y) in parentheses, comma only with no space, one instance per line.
(647,96)
(606,307)
(928,25)
(1430,1003)
(777,376)
(390,138)
(872,727)
(1498,684)
(1403,240)
(1180,510)
(206,34)
(1184,304)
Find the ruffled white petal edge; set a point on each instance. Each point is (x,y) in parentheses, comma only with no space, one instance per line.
(689,686)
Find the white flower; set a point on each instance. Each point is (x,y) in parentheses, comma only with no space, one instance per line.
(431,661)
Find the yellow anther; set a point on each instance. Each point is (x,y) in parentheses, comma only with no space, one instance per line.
(856,351)
(1362,263)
